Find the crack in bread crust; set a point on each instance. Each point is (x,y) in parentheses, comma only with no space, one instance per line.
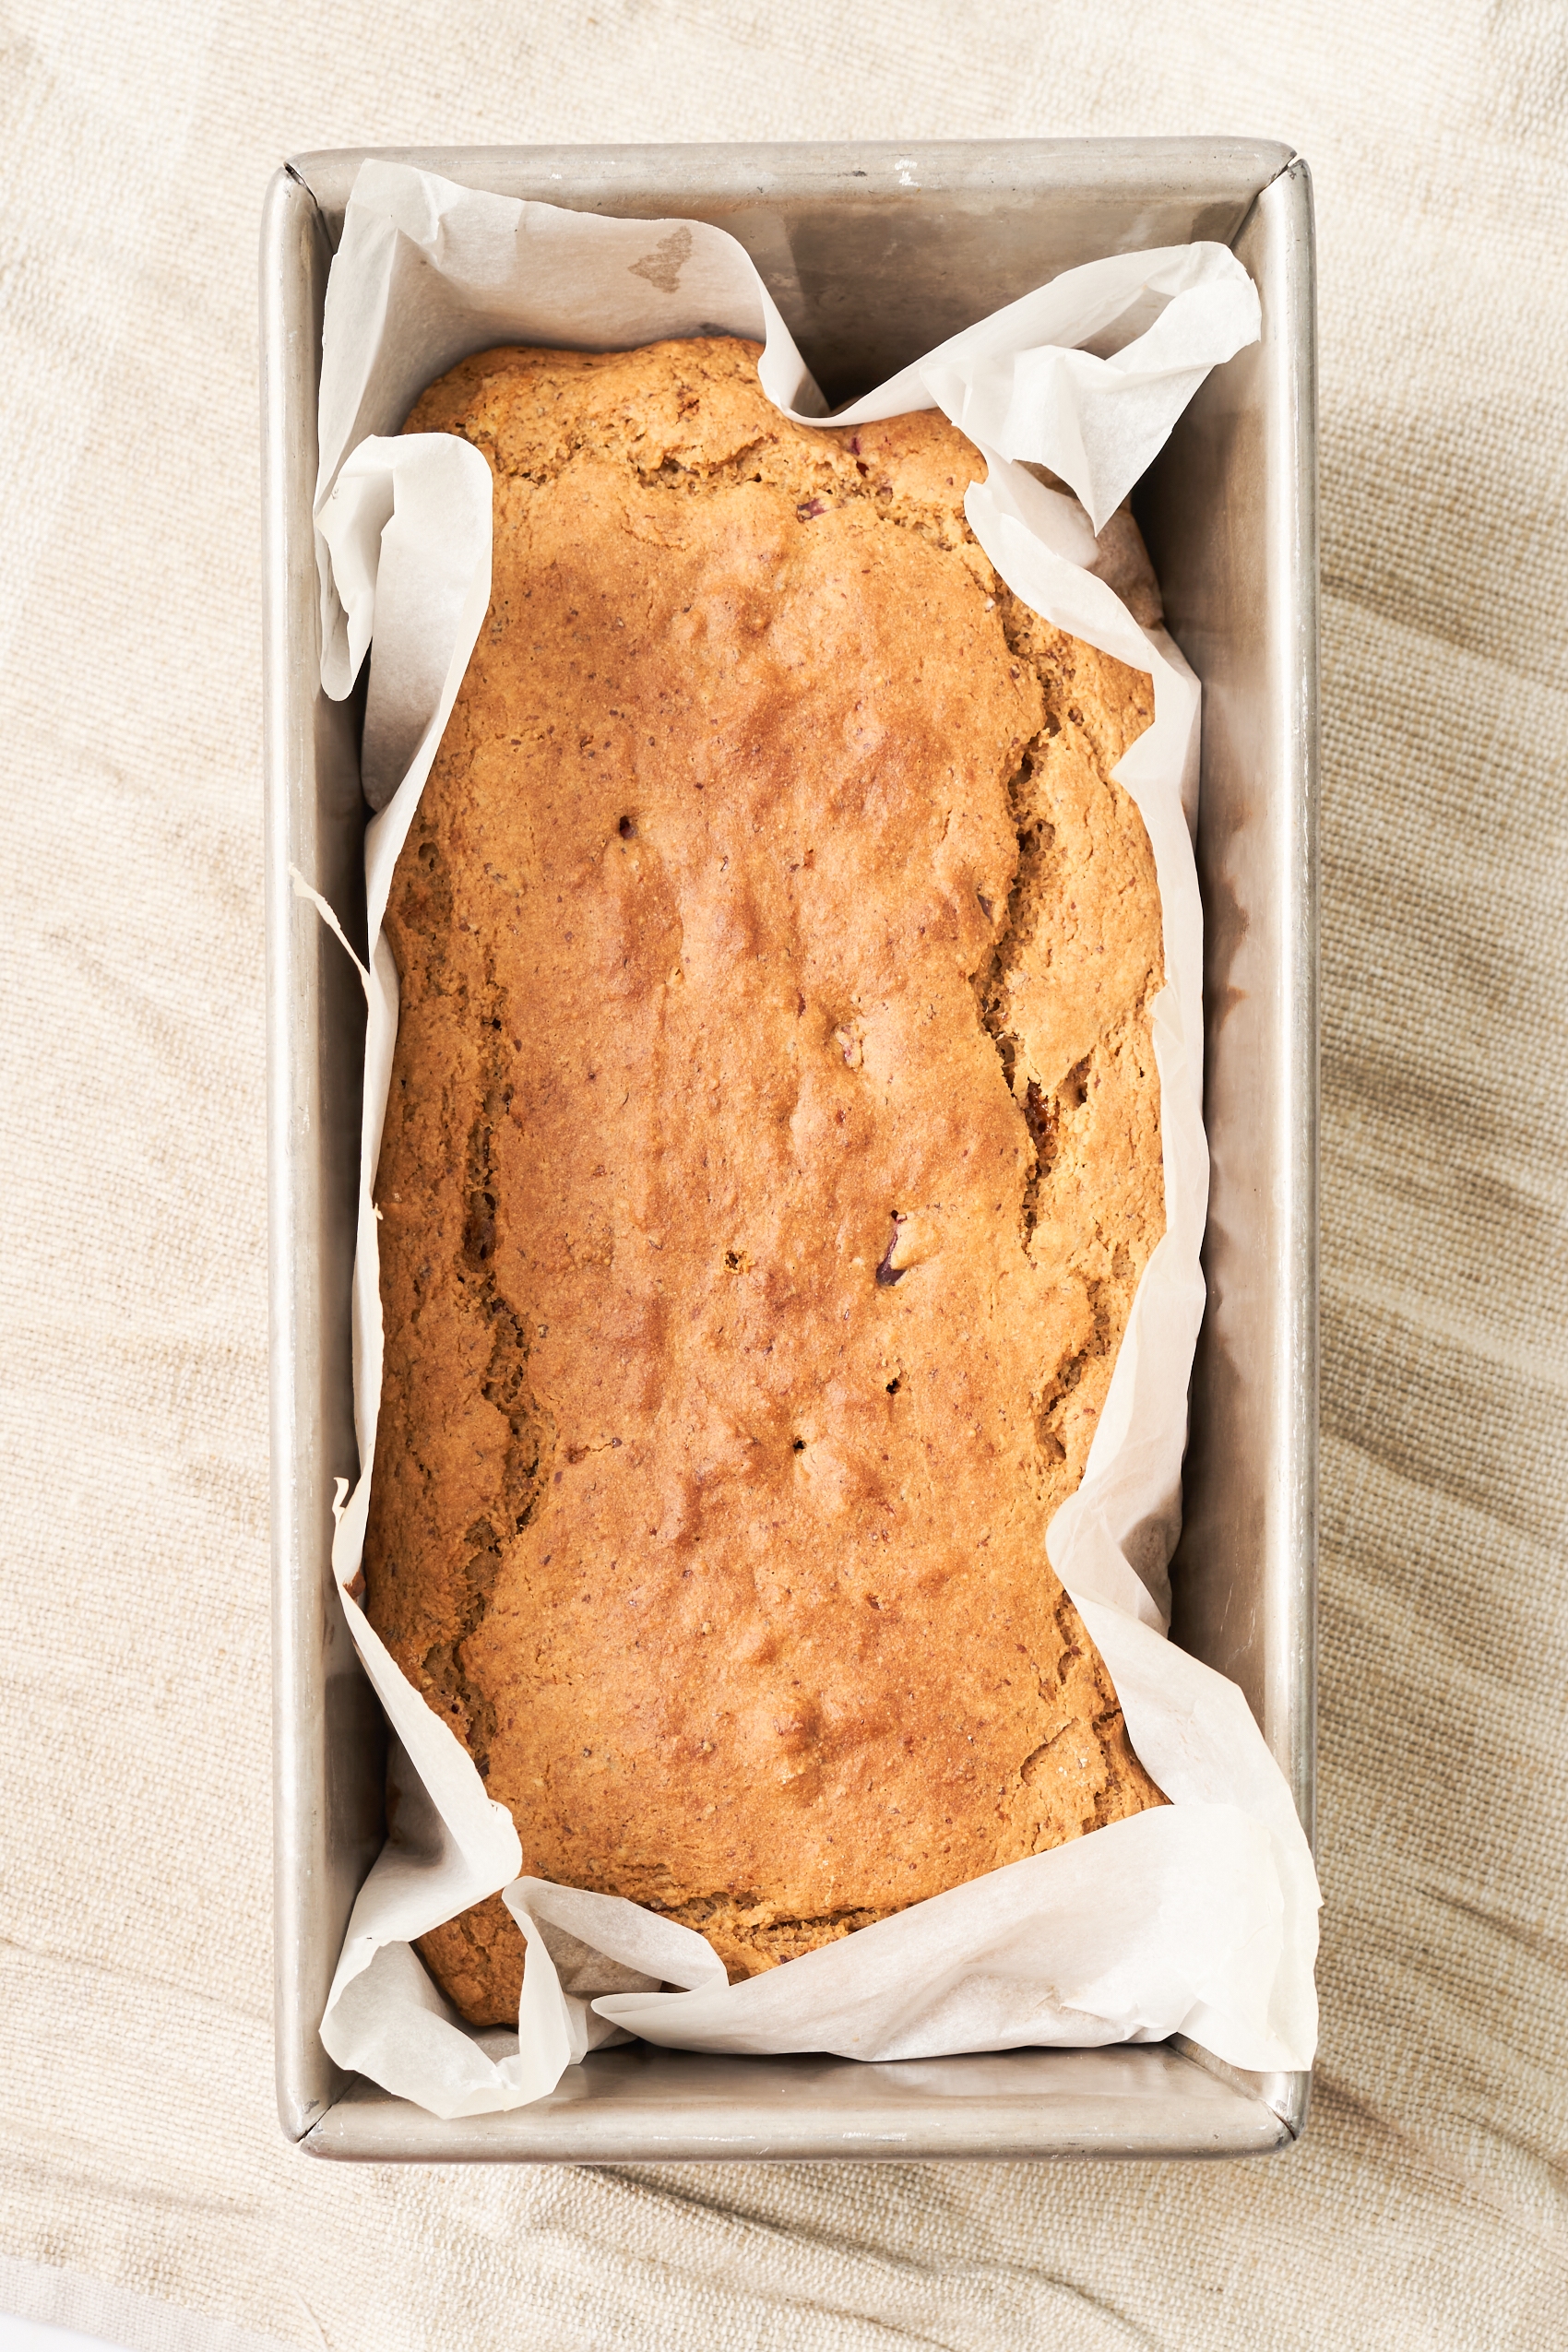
(771,1157)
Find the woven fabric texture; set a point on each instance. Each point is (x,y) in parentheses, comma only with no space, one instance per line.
(145,2188)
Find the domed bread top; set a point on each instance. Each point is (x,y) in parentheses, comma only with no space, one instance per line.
(772,1154)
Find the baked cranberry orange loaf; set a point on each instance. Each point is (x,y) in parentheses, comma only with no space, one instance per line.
(772,1153)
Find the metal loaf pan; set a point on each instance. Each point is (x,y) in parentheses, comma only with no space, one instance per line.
(875,253)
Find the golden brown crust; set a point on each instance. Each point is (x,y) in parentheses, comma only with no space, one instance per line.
(477,1959)
(772,1153)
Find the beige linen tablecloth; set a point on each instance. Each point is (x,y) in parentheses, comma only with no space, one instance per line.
(147,2193)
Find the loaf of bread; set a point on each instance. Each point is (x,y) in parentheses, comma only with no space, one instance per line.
(772,1153)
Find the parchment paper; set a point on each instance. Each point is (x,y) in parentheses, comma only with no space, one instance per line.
(1199,1917)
